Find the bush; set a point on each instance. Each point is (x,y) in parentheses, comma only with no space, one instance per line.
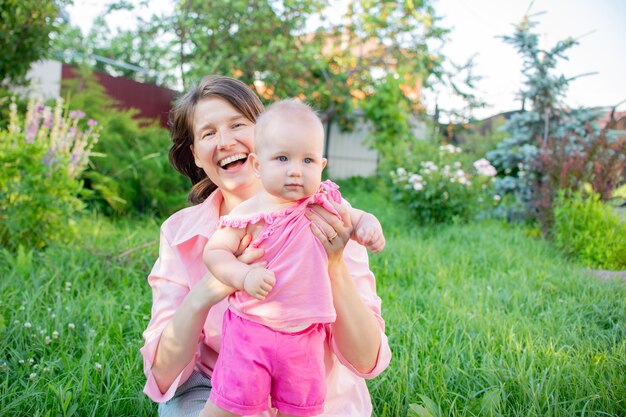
(42,158)
(589,229)
(441,190)
(133,175)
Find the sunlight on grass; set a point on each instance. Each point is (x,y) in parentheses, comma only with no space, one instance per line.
(482,319)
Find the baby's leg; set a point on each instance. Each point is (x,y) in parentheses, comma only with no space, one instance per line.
(212,410)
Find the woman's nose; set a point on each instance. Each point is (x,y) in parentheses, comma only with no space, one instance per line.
(225,139)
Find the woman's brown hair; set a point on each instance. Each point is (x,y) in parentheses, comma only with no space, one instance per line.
(235,92)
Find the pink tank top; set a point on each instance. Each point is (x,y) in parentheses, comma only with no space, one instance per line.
(302,293)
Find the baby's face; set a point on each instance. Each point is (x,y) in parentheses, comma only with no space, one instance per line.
(290,157)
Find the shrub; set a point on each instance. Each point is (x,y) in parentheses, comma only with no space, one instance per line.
(589,229)
(134,176)
(42,158)
(441,190)
(549,145)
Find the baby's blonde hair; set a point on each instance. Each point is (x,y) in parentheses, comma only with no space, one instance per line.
(278,109)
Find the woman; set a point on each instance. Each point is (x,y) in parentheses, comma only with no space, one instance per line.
(212,133)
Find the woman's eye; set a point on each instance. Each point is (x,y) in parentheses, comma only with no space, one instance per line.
(236,125)
(308,160)
(282,158)
(206,135)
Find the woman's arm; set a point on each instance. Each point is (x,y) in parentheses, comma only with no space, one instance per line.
(178,315)
(179,340)
(356,331)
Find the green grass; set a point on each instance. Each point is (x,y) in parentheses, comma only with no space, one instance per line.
(482,320)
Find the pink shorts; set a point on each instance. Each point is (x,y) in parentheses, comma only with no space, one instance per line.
(256,362)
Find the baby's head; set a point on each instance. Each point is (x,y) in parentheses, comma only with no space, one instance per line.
(289,150)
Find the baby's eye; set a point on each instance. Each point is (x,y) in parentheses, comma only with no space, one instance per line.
(282,158)
(308,160)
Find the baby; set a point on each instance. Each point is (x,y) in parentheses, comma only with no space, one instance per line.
(273,333)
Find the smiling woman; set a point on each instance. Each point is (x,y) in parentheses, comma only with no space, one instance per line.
(212,132)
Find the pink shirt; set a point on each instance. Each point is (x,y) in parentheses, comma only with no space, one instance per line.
(302,293)
(180,266)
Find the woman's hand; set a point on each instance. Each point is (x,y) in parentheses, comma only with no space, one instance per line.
(332,232)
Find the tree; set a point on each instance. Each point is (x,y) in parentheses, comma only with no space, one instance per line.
(26,26)
(550,145)
(272,46)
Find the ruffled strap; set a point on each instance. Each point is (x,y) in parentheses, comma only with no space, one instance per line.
(242,221)
(328,191)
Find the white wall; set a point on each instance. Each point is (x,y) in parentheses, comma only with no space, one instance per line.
(349,154)
(45,81)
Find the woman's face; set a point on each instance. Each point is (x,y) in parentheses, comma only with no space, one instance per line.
(223,139)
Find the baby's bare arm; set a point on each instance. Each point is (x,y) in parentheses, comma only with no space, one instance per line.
(219,257)
(367,229)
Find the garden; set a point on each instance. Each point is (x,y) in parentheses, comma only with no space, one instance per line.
(490,279)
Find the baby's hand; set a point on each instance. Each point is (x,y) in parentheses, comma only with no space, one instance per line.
(369,233)
(259,282)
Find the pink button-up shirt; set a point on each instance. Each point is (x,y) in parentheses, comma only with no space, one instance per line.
(180,266)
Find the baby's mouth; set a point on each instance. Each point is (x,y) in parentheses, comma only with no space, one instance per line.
(233,161)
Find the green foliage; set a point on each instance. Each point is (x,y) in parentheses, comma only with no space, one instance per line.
(547,117)
(441,191)
(132,173)
(271,46)
(25,26)
(42,156)
(477,144)
(389,111)
(589,229)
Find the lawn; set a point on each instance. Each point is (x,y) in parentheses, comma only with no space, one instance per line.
(483,319)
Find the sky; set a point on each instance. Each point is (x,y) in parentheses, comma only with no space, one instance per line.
(475,26)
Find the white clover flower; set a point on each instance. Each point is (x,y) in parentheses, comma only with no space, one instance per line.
(47,340)
(31,361)
(55,334)
(21,361)
(418,186)
(98,366)
(27,324)
(126,307)
(71,326)
(401,171)
(32,376)
(497,197)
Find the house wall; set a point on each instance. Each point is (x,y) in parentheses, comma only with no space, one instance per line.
(44,81)
(347,153)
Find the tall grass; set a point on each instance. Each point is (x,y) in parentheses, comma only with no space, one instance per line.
(482,320)
(485,320)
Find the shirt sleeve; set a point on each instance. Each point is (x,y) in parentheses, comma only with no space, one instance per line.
(169,282)
(357,262)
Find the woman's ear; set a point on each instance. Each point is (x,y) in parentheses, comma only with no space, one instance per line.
(195,158)
(256,166)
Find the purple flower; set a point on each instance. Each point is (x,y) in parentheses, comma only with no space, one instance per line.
(31,132)
(92,122)
(48,159)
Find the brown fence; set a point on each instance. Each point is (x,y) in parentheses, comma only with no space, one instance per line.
(152,101)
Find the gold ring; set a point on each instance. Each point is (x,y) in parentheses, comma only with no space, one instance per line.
(330,239)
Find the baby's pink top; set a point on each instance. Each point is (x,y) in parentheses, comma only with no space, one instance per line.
(180,267)
(302,293)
